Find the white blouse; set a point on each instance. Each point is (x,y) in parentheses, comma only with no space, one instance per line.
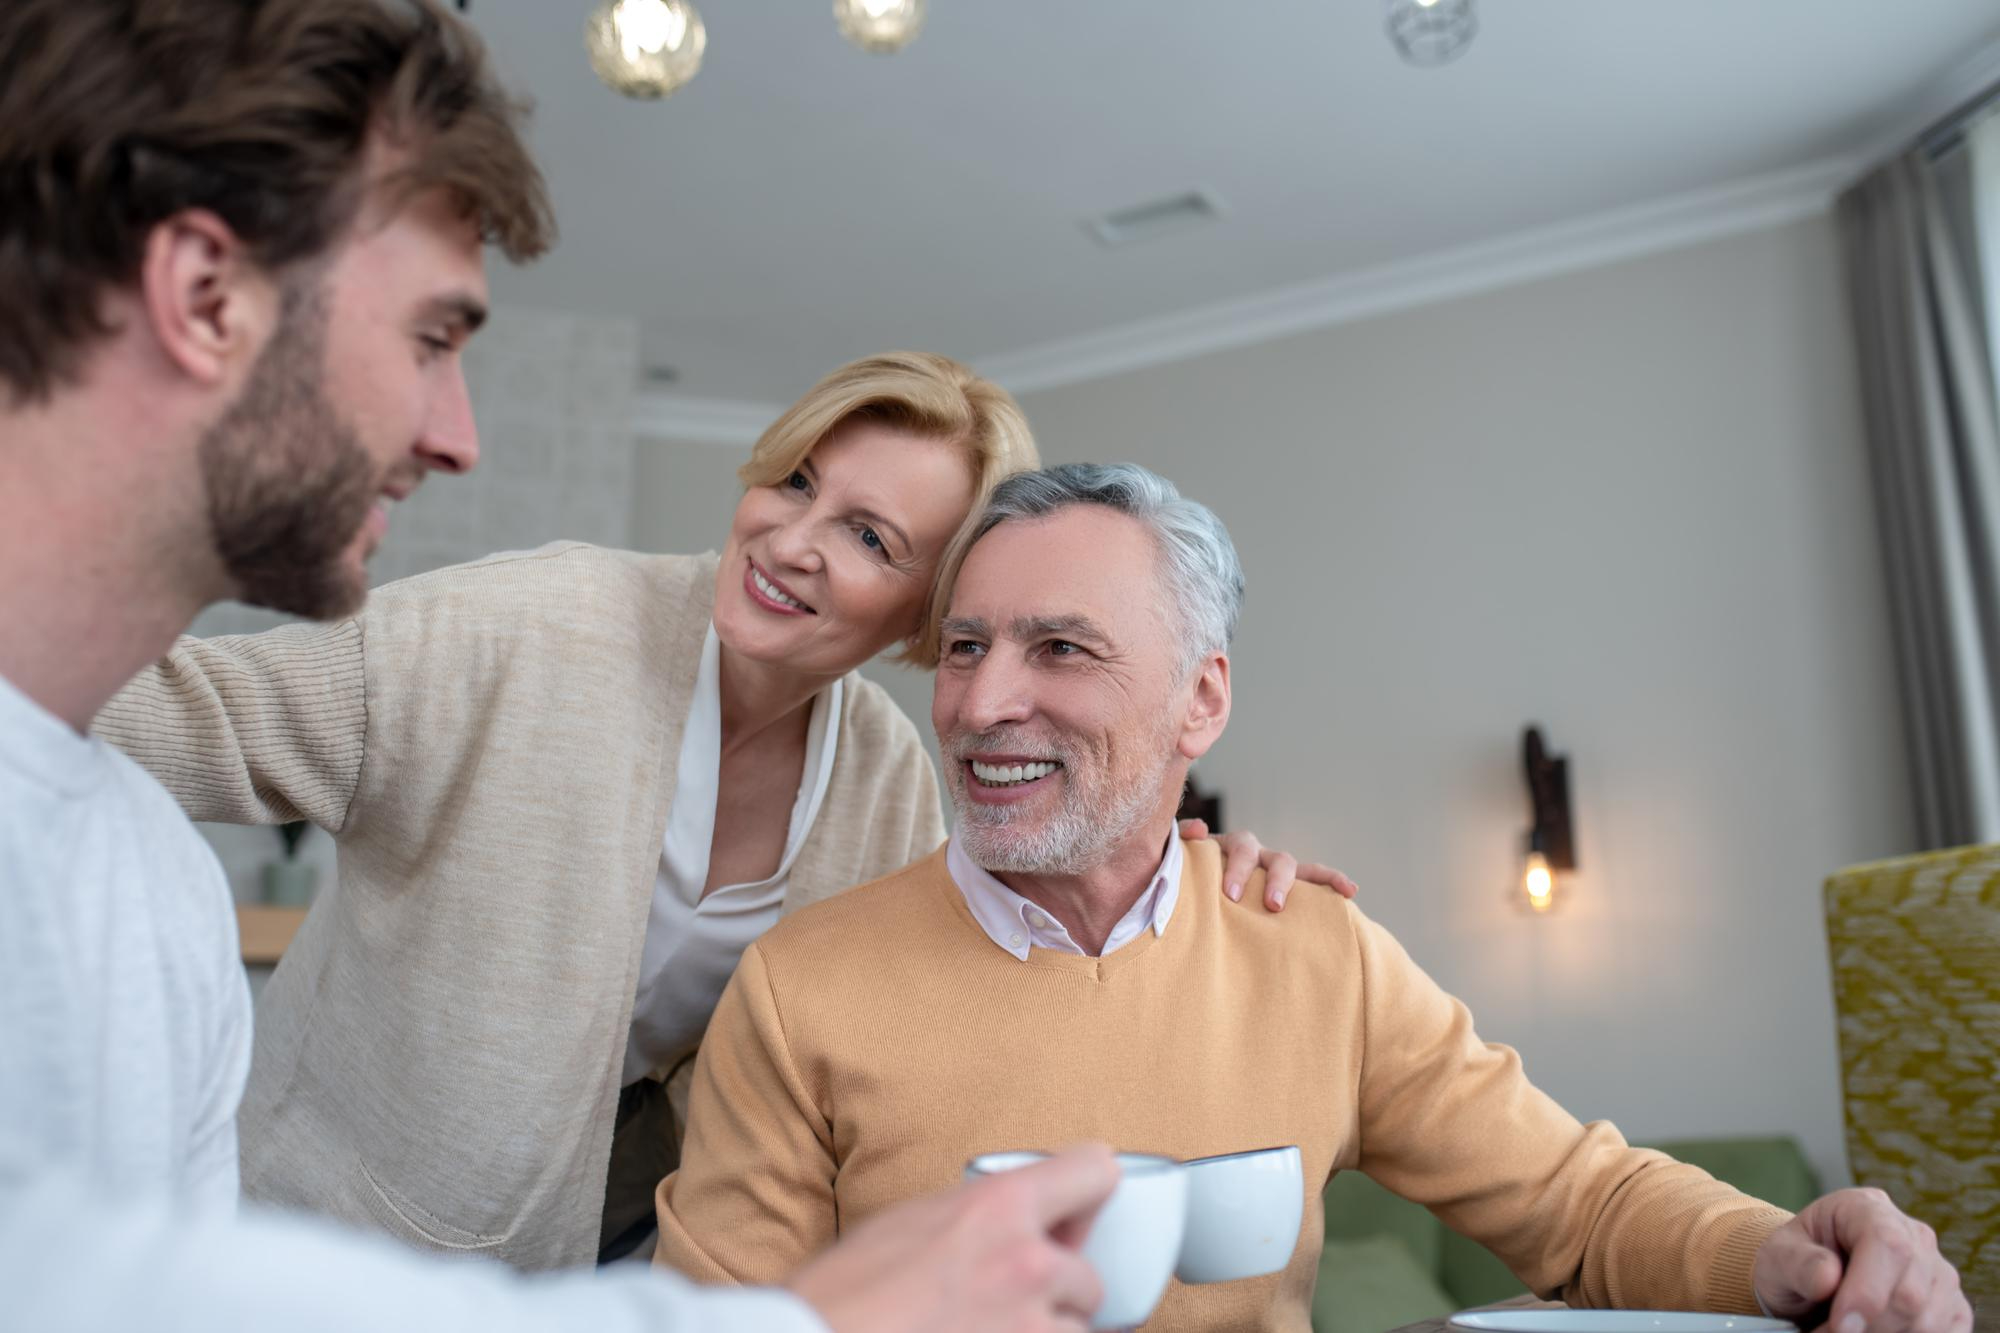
(693,943)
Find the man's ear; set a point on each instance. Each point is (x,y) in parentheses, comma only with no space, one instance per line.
(1208,707)
(208,306)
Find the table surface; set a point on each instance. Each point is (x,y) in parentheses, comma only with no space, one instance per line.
(267,931)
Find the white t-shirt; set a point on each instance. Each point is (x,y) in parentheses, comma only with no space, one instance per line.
(76,1260)
(124,1011)
(694,943)
(124,1041)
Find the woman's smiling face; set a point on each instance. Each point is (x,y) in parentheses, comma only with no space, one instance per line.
(834,563)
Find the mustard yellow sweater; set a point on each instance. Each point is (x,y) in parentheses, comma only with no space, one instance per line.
(870,1044)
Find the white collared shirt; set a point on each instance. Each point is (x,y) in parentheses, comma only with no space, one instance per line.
(693,943)
(1017,925)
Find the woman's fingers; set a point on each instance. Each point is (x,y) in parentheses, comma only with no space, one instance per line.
(1280,869)
(1312,872)
(1243,853)
(1240,853)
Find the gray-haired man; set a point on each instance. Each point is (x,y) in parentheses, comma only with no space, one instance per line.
(1064,968)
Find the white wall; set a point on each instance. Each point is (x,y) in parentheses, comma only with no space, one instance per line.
(683,495)
(552,394)
(1629,504)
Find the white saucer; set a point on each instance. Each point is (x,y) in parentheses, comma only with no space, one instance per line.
(1612,1321)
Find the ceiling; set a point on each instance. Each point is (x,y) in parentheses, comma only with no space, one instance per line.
(802,203)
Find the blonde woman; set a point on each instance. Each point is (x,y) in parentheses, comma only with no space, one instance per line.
(567,788)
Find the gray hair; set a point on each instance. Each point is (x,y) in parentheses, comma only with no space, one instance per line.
(1200,572)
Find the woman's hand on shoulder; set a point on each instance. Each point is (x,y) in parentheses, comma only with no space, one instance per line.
(1243,853)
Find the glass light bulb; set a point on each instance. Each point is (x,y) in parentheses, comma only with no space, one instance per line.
(880,26)
(1431,32)
(645,48)
(648,27)
(1538,882)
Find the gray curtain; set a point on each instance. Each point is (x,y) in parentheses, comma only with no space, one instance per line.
(1928,389)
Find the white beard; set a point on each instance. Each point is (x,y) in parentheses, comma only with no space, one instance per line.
(1079,836)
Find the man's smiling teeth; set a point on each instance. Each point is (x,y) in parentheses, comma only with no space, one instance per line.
(770,590)
(1005,775)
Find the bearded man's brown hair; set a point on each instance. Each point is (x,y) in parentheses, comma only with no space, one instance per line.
(117,114)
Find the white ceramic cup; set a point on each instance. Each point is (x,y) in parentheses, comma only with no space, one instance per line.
(1244,1210)
(1136,1239)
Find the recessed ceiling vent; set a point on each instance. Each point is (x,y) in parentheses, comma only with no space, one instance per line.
(1156,217)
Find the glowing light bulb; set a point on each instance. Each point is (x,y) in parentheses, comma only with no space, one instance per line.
(880,26)
(1539,882)
(648,27)
(645,48)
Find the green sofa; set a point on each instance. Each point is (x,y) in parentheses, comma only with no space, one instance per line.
(1388,1262)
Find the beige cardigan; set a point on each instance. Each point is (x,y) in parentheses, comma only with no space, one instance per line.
(493,748)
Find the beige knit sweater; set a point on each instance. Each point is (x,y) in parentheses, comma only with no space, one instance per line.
(493,748)
(869,1046)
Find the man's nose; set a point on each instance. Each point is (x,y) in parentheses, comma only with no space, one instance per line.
(450,440)
(998,693)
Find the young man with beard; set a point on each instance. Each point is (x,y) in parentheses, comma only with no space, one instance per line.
(241,246)
(1066,968)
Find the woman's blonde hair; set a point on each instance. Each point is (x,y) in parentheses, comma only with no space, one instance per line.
(928,396)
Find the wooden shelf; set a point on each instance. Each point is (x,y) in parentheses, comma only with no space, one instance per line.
(266,931)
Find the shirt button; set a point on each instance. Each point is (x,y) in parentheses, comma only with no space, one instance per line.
(1014,940)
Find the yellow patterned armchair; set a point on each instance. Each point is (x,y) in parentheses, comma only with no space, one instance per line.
(1915,944)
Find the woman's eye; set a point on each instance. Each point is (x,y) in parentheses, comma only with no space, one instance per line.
(871,540)
(797,482)
(963,648)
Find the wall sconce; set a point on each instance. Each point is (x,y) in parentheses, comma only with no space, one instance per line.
(1551,846)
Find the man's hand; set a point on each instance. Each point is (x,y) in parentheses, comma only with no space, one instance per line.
(1243,853)
(1877,1268)
(997,1254)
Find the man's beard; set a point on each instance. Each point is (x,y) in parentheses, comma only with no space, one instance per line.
(1098,812)
(288,482)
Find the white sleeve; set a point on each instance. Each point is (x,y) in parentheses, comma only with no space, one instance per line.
(79,1262)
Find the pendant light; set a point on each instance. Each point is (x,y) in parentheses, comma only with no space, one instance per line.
(646,49)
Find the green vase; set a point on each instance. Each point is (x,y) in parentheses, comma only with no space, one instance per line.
(289,883)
